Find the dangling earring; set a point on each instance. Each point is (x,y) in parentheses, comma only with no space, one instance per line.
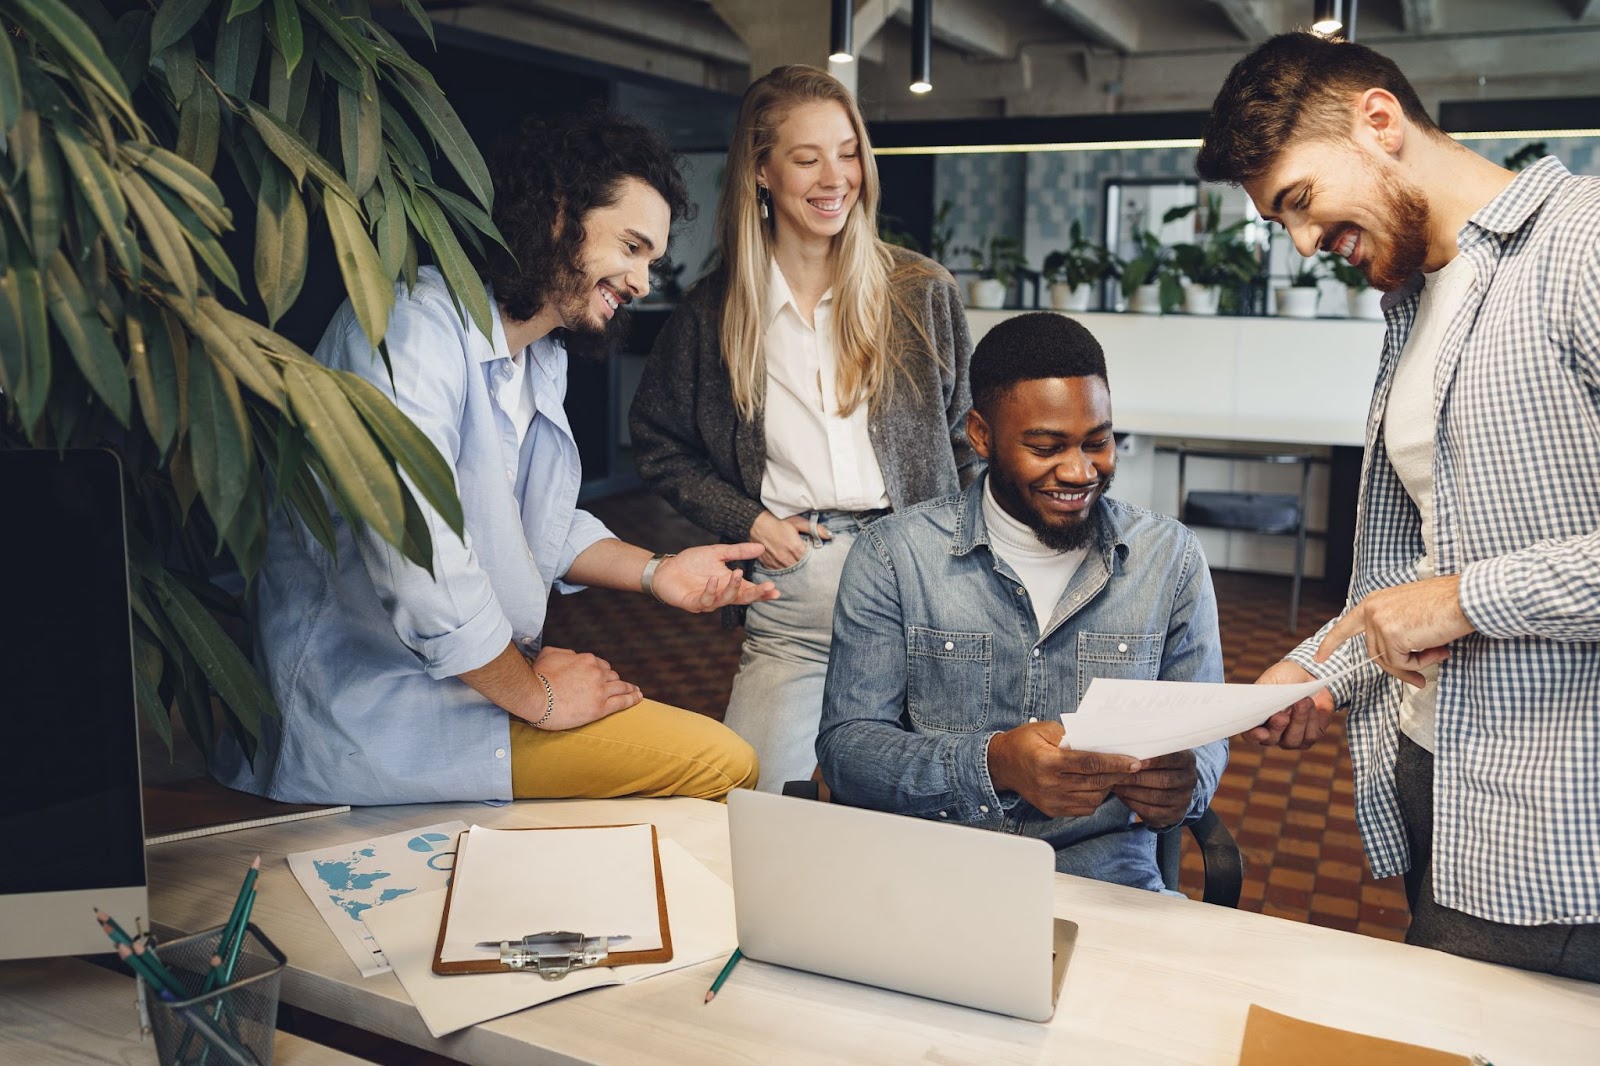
(763,198)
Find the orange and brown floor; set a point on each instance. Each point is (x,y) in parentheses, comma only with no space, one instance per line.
(1292,813)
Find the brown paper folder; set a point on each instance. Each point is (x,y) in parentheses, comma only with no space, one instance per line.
(1273,1039)
(491,964)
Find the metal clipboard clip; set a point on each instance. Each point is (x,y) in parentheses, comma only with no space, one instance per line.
(553,955)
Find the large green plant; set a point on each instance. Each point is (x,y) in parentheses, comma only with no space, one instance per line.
(1218,255)
(1081,262)
(1000,261)
(124,324)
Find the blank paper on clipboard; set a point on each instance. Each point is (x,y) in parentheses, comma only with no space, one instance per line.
(598,881)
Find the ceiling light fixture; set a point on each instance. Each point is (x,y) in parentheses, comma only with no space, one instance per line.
(1329,20)
(922,46)
(840,50)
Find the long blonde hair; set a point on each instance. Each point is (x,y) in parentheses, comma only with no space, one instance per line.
(862,295)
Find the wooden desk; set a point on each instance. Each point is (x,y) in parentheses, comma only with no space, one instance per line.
(1153,980)
(70,1012)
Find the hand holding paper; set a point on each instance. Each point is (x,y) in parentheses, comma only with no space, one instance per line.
(1144,719)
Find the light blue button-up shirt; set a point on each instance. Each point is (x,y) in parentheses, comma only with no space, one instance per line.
(361,649)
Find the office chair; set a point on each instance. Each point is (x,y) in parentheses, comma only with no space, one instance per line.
(1224,867)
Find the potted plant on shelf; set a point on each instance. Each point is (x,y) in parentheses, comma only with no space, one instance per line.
(1217,258)
(1073,271)
(1150,280)
(1364,300)
(997,267)
(1298,299)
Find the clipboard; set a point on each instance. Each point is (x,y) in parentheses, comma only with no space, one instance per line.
(584,953)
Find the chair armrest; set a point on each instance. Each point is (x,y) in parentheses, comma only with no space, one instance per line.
(1223,863)
(809,790)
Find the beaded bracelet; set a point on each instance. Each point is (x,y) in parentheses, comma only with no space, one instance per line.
(549,701)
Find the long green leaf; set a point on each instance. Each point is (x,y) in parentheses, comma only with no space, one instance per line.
(416,11)
(281,241)
(241,7)
(155,380)
(238,53)
(147,663)
(211,323)
(182,177)
(371,292)
(392,229)
(200,129)
(218,657)
(87,338)
(305,499)
(408,445)
(205,245)
(179,64)
(291,42)
(128,46)
(465,285)
(10,84)
(55,25)
(361,475)
(28,366)
(174,19)
(405,142)
(219,437)
(292,150)
(418,543)
(164,234)
(361,134)
(334,60)
(470,213)
(443,125)
(45,201)
(97,186)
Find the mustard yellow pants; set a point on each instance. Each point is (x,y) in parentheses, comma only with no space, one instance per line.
(650,749)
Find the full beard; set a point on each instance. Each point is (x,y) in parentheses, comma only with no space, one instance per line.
(1407,237)
(1065,538)
(585,337)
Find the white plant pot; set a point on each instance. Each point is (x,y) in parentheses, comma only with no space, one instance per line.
(1368,303)
(1297,301)
(1064,297)
(1146,300)
(986,293)
(1201,299)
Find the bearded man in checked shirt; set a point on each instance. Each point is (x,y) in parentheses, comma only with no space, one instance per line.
(1475,731)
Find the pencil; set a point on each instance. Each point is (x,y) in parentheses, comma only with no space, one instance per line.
(727,968)
(238,941)
(120,936)
(235,926)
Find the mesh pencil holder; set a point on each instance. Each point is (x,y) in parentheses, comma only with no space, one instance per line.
(231,1025)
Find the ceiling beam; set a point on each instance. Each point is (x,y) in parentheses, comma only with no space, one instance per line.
(1254,20)
(1420,16)
(1105,22)
(696,32)
(971,26)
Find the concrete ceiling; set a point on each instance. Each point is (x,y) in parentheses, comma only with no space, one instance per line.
(1049,57)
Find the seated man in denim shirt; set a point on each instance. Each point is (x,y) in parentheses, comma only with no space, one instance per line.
(966,627)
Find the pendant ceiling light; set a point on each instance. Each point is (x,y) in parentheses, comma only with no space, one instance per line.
(840,49)
(1330,19)
(921,46)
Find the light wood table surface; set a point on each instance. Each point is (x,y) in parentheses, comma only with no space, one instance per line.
(1153,979)
(67,1012)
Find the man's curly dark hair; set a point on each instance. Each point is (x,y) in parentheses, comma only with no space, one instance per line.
(552,173)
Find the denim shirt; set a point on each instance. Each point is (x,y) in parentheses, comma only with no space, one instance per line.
(361,648)
(936,649)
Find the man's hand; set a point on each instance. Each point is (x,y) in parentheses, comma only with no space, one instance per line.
(780,539)
(1299,725)
(1062,783)
(1407,627)
(1160,793)
(698,579)
(586,689)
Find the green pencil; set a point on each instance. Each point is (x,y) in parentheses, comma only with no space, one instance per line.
(235,926)
(727,968)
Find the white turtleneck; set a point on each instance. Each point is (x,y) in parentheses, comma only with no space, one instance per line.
(1044,571)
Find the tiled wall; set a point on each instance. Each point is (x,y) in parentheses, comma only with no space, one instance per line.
(1036,196)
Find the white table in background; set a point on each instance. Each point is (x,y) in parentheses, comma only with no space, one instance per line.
(1153,979)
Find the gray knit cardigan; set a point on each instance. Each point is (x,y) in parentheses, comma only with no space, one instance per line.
(692,448)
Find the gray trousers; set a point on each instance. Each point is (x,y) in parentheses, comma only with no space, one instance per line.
(1563,950)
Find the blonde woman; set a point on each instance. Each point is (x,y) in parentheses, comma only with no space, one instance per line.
(815,380)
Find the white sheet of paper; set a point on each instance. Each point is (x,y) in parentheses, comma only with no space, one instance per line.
(347,882)
(699,913)
(594,881)
(1144,719)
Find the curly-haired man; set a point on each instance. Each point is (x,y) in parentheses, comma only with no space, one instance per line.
(400,686)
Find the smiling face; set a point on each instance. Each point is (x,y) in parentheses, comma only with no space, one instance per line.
(1338,196)
(620,242)
(1051,454)
(813,172)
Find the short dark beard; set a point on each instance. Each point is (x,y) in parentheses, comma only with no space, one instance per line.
(570,293)
(1078,535)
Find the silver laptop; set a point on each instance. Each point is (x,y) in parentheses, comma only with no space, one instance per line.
(943,911)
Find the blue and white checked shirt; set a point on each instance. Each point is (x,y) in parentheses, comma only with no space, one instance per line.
(1517,496)
(361,650)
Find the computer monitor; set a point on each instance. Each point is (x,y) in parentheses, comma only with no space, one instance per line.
(69,791)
